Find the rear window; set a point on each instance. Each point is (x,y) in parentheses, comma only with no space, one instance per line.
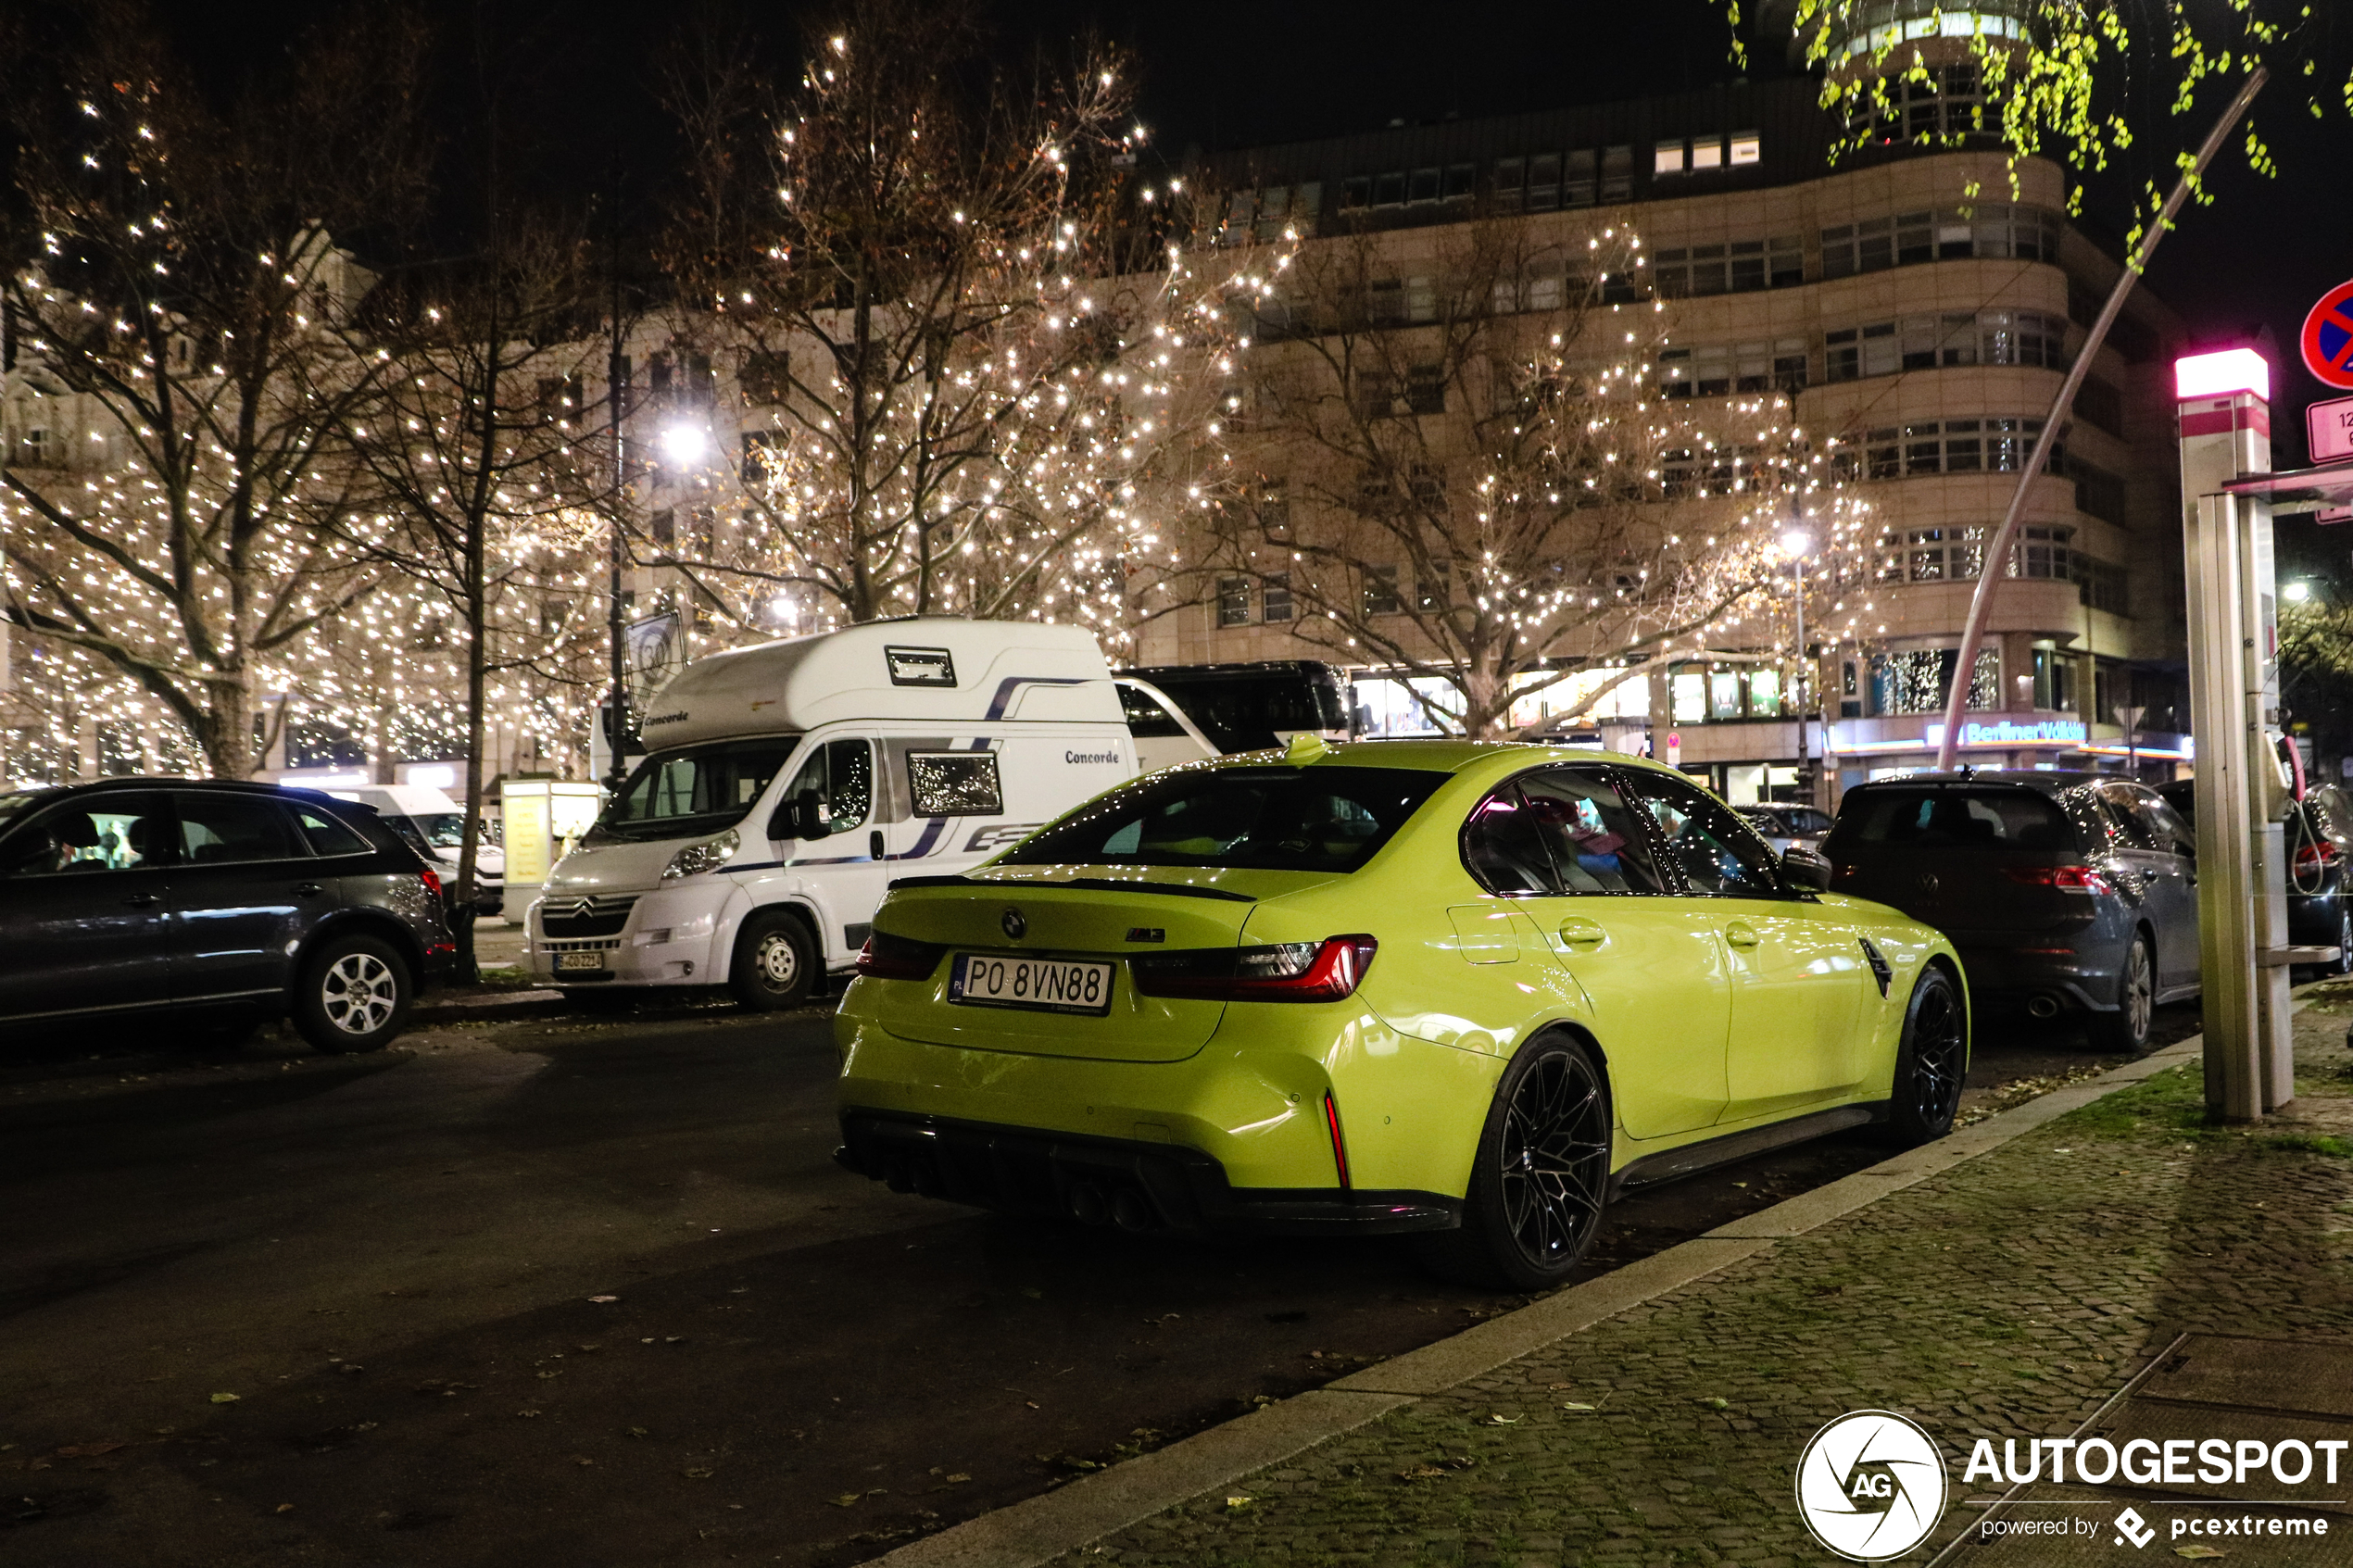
(1325,818)
(1952,818)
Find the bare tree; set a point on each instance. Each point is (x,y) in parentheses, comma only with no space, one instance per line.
(977,376)
(177,290)
(482,454)
(1465,465)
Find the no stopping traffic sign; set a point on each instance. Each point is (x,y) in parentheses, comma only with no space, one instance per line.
(2327,339)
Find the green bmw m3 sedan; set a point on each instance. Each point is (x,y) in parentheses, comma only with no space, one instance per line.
(1466,991)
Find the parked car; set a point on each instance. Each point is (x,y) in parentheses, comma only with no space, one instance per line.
(1463,991)
(2320,845)
(225,902)
(788,782)
(1784,825)
(434,826)
(1249,707)
(2064,892)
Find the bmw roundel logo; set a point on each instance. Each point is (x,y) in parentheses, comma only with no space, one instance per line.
(1016,927)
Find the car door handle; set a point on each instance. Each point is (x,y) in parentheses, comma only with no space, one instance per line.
(1579,932)
(143,900)
(306,888)
(1740,933)
(874,845)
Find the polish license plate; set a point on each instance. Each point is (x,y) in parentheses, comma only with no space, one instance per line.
(573,962)
(1037,984)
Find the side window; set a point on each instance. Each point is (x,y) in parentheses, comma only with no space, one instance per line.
(2129,826)
(954,783)
(107,833)
(328,834)
(1504,848)
(842,772)
(1719,855)
(1589,826)
(226,829)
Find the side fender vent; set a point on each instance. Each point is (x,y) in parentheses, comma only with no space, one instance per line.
(1880,971)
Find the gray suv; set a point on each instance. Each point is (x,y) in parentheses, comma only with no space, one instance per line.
(2063,892)
(226,902)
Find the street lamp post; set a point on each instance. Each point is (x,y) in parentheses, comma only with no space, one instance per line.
(1794,544)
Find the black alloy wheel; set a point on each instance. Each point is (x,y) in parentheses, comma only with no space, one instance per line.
(2127,1029)
(1932,1062)
(1541,1177)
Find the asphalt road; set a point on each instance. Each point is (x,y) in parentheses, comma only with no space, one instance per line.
(265,1307)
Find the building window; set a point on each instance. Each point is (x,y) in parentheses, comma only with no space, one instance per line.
(1957,447)
(1544,181)
(1918,680)
(2042,552)
(1618,173)
(2054,681)
(1233,601)
(2104,587)
(1435,589)
(1668,159)
(1918,342)
(1425,389)
(1381,590)
(1276,595)
(761,450)
(1748,146)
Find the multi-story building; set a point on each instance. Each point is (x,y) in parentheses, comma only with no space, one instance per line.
(1914,304)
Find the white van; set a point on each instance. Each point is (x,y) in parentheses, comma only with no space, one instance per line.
(434,826)
(787,785)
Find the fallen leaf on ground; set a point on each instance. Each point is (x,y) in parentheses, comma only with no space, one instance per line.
(1574,1405)
(696,1474)
(526,1415)
(2194,1551)
(1502,1420)
(636,1432)
(224,1399)
(958,1479)
(1238,1501)
(600,1299)
(845,1501)
(1715,1403)
(288,1507)
(88,1451)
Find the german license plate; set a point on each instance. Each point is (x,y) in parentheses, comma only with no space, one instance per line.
(566,962)
(1038,984)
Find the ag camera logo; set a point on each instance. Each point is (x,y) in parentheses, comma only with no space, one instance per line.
(1870,1485)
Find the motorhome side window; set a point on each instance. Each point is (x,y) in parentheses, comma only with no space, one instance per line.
(954,783)
(842,772)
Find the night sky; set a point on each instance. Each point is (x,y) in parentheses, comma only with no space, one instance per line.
(1222,73)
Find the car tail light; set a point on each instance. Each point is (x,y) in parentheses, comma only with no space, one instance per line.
(2316,857)
(1280,971)
(1339,1144)
(2067,879)
(885,957)
(432,880)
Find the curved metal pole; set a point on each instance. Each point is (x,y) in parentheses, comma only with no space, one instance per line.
(1980,605)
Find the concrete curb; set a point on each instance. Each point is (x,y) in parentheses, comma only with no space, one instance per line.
(1039,1529)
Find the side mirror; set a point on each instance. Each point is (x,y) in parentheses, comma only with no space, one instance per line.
(1806,869)
(809,815)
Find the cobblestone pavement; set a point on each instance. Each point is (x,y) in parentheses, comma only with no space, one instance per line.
(2007,1298)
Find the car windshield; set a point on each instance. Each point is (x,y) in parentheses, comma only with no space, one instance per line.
(701,789)
(1251,709)
(1952,818)
(1325,819)
(443,830)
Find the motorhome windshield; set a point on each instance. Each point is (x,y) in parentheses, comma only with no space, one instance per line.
(700,789)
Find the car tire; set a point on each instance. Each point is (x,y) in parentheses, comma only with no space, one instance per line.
(2126,1030)
(1932,1062)
(353,996)
(2344,964)
(775,965)
(1539,1178)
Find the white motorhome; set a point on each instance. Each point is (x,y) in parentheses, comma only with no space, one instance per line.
(787,785)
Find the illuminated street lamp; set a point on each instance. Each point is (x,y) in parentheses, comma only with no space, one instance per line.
(685,445)
(2296,592)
